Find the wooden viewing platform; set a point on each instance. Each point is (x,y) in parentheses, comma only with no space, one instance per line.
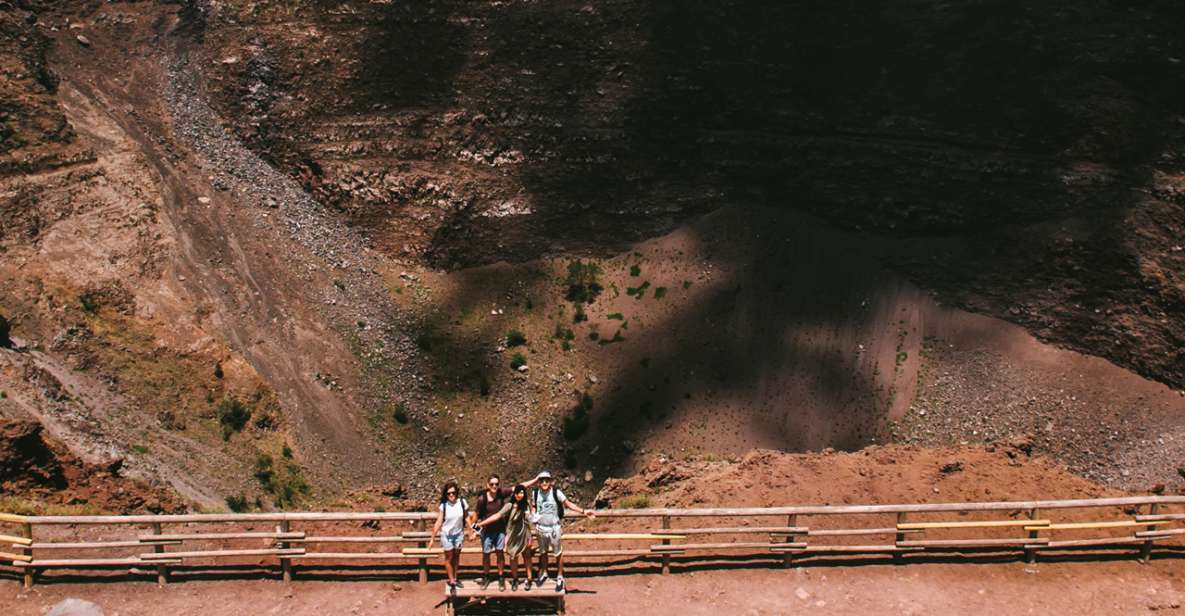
(472,597)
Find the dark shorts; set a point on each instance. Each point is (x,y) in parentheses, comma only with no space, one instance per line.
(493,541)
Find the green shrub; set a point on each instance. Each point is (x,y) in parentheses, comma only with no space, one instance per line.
(638,292)
(634,501)
(686,284)
(635,270)
(232,415)
(616,316)
(515,338)
(286,452)
(89,302)
(901,357)
(237,504)
(617,337)
(285,482)
(660,292)
(583,282)
(517,361)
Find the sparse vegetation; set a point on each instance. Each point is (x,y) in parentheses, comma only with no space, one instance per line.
(400,413)
(616,316)
(686,284)
(89,301)
(515,338)
(660,292)
(218,370)
(237,503)
(638,292)
(635,270)
(576,422)
(583,282)
(140,449)
(285,481)
(517,361)
(617,337)
(901,357)
(634,501)
(232,415)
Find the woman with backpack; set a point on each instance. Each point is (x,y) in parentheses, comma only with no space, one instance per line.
(518,513)
(450,524)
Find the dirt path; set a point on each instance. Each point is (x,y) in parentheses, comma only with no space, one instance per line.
(1084,588)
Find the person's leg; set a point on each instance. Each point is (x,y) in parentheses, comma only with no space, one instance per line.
(485,558)
(500,552)
(448,566)
(456,563)
(527,561)
(559,565)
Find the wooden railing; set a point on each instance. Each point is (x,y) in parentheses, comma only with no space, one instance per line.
(1138,523)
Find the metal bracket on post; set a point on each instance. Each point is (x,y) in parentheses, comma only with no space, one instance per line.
(162,571)
(30,572)
(423,562)
(1030,553)
(666,558)
(285,563)
(1146,549)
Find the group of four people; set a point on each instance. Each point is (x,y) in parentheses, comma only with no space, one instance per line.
(509,522)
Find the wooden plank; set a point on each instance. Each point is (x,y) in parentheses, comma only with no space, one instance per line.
(20,557)
(723,546)
(21,541)
(220,536)
(979,524)
(1146,549)
(469,591)
(436,551)
(98,545)
(1093,525)
(621,536)
(355,556)
(1089,542)
(363,539)
(863,549)
(29,574)
(1158,517)
(594,553)
(162,571)
(224,553)
(666,559)
(1161,532)
(850,532)
(94,562)
(423,562)
(1030,554)
(13,518)
(738,530)
(971,543)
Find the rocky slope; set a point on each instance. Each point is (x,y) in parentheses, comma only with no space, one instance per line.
(272,244)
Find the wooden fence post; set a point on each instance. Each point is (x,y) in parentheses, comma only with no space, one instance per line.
(1146,549)
(162,571)
(666,558)
(1030,553)
(901,516)
(285,563)
(30,572)
(423,562)
(788,557)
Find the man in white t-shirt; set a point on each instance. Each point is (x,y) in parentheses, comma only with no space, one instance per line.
(550,505)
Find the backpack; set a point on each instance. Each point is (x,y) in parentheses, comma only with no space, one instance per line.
(559,504)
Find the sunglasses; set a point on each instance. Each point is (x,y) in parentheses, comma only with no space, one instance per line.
(493,484)
(451,493)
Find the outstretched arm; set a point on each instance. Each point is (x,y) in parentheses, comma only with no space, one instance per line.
(578,509)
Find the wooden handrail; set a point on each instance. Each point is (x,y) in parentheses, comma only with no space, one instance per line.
(793,539)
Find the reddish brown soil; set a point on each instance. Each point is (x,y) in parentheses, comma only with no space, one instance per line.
(43,473)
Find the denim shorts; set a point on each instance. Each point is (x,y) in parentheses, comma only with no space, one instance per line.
(451,542)
(493,541)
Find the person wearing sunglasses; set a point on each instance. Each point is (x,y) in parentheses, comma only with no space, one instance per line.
(450,524)
(550,504)
(493,535)
(515,515)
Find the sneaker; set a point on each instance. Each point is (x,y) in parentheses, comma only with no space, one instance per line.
(452,587)
(514,584)
(559,584)
(528,585)
(541,580)
(501,584)
(458,584)
(483,582)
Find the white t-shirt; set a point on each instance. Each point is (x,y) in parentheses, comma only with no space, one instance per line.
(454,517)
(546,504)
